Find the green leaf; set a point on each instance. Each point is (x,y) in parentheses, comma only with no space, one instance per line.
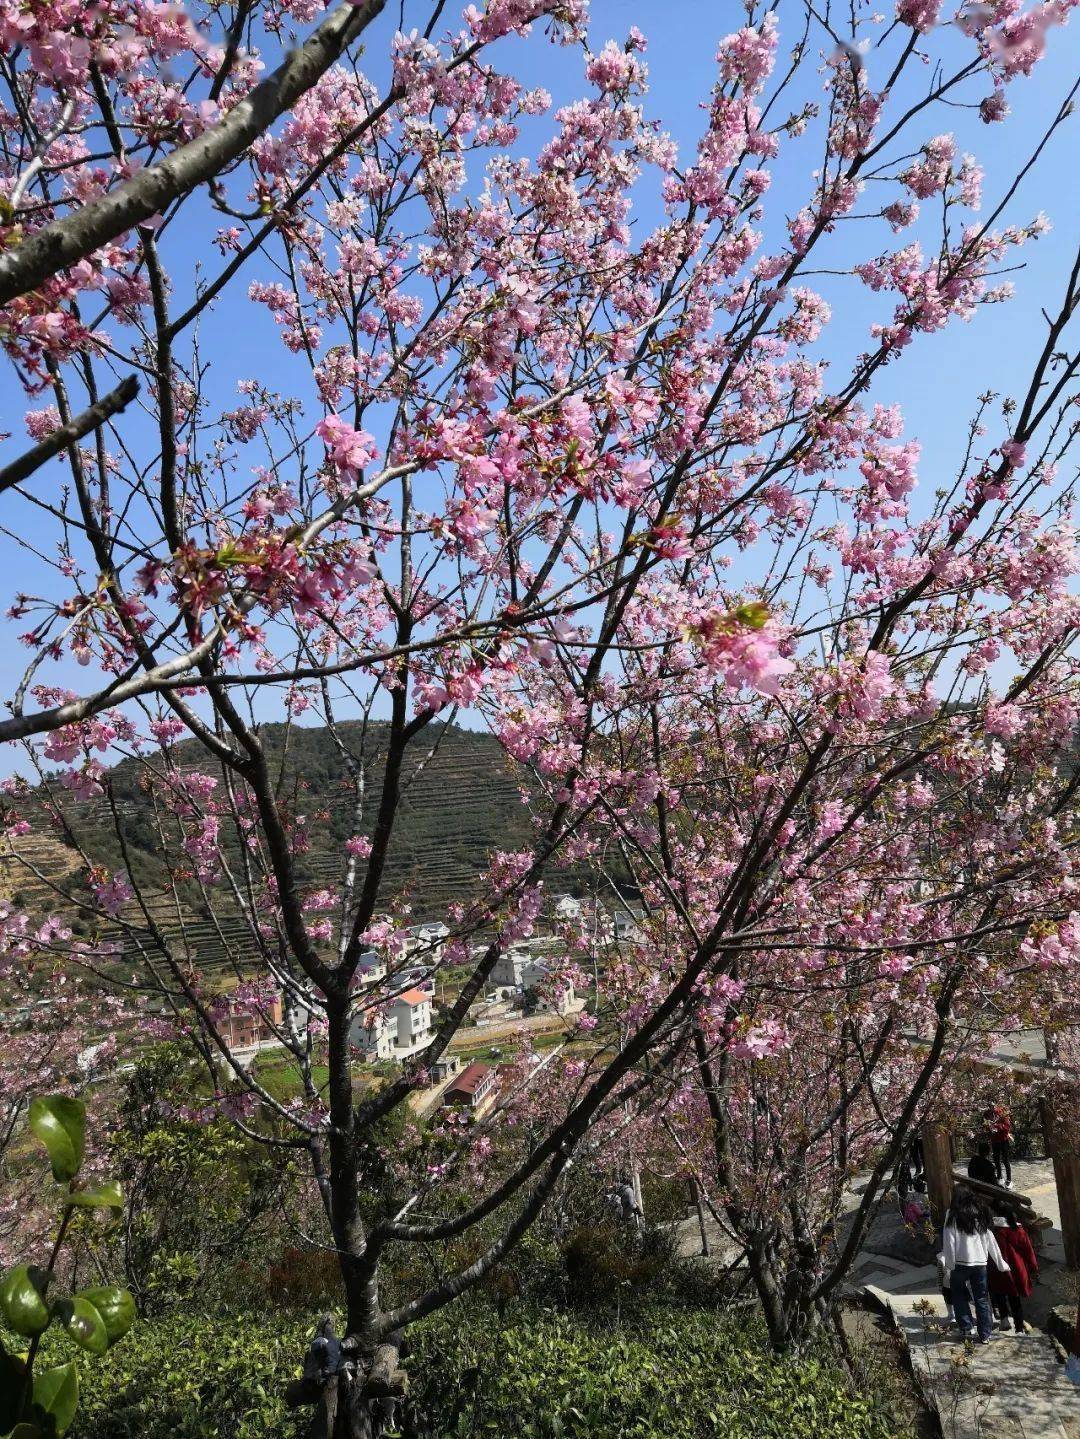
(753,614)
(22,1299)
(60,1124)
(12,1382)
(116,1307)
(99,1196)
(84,1324)
(57,1392)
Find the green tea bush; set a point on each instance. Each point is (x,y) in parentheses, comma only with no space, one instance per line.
(669,1373)
(663,1373)
(194,1377)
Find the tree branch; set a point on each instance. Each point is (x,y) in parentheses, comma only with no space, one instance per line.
(69,434)
(78,234)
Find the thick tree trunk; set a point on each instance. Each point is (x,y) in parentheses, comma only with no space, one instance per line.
(772,1303)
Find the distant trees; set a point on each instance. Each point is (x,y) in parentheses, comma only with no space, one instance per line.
(505,462)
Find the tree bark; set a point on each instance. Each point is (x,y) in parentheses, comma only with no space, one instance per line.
(938,1165)
(55,247)
(356,1393)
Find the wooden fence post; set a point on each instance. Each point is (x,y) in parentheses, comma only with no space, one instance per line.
(1061,1126)
(938,1166)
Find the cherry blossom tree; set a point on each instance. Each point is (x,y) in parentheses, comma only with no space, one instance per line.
(516,451)
(57,1033)
(875,855)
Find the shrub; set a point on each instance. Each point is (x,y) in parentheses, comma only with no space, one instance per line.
(602,1262)
(666,1373)
(670,1374)
(193,1377)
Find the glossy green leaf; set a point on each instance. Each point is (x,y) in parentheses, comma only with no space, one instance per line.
(12,1382)
(116,1307)
(60,1124)
(22,1299)
(99,1196)
(57,1392)
(84,1324)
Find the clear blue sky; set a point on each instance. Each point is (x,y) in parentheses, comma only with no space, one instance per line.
(939,377)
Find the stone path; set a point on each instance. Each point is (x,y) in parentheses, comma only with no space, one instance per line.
(1013,1388)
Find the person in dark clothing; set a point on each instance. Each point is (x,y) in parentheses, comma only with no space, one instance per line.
(1000,1125)
(981,1166)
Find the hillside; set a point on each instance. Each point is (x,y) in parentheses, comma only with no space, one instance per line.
(460,802)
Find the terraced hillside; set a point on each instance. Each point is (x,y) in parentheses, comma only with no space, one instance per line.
(460,803)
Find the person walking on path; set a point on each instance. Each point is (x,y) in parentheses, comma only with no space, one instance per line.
(1009,1290)
(1000,1125)
(967,1245)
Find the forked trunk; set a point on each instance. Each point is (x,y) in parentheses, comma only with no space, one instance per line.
(355,1394)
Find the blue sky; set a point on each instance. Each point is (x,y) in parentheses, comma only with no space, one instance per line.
(939,377)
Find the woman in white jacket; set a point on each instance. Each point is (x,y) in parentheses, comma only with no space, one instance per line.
(967,1246)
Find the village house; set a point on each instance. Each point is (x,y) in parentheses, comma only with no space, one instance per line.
(247,1026)
(529,966)
(372,1033)
(444,1068)
(473,1089)
(370,967)
(426,942)
(396,1030)
(557,997)
(412,1013)
(628,925)
(567,907)
(510,969)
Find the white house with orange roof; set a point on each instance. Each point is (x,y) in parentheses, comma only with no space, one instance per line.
(396,1030)
(412,1012)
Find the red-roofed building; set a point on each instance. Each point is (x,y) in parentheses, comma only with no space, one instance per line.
(472,1089)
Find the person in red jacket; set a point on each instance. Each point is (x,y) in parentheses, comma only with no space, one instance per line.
(1010,1287)
(999,1122)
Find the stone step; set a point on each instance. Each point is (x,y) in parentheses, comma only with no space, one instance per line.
(1012,1388)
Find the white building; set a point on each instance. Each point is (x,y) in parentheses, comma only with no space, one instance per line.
(426,941)
(370,967)
(555,995)
(372,1033)
(412,1013)
(529,966)
(562,999)
(510,969)
(627,925)
(394,1031)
